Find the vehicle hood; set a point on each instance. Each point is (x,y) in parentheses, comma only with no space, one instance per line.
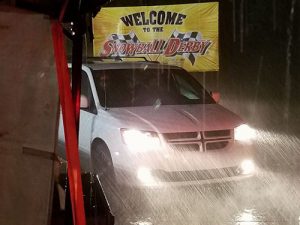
(176,118)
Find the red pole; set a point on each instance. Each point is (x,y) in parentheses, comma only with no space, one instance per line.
(74,172)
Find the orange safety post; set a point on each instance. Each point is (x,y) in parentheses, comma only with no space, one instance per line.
(68,112)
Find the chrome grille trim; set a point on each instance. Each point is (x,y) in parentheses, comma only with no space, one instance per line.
(207,140)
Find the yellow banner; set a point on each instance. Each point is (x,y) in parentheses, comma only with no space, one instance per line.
(185,35)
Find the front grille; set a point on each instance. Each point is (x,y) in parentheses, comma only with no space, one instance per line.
(186,147)
(199,141)
(181,176)
(216,145)
(179,136)
(217,134)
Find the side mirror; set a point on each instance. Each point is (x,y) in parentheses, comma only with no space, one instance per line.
(216,96)
(84,103)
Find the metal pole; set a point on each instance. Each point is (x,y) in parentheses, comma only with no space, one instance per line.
(233,21)
(242,26)
(76,71)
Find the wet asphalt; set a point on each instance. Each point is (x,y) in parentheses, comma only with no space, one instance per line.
(271,200)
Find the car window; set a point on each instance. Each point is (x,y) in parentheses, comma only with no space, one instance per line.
(186,88)
(139,87)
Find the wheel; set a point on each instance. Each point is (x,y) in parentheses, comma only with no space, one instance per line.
(102,164)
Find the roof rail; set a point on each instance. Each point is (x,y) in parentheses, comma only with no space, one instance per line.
(101,59)
(118,58)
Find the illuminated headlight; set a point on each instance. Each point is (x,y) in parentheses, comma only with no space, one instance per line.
(244,133)
(140,141)
(247,167)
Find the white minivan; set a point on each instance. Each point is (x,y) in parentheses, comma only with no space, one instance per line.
(149,124)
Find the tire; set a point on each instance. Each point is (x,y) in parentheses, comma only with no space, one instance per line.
(119,197)
(102,164)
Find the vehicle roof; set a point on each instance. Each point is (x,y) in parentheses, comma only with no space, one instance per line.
(128,65)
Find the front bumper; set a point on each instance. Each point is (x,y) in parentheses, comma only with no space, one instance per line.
(187,168)
(177,179)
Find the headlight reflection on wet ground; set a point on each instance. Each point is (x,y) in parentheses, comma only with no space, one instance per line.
(248,217)
(141,223)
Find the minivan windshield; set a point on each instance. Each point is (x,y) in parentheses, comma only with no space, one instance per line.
(148,87)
